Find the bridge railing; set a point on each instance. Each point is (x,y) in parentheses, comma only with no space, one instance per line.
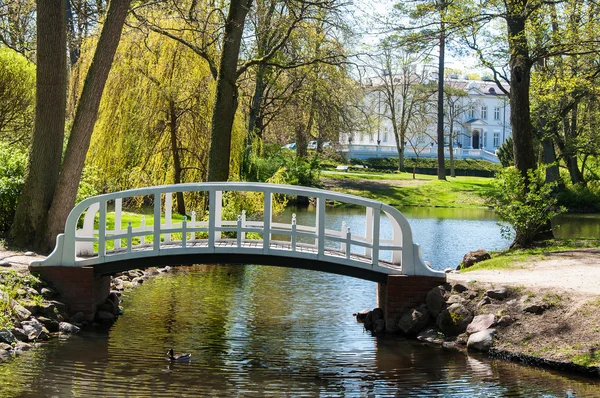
(89,238)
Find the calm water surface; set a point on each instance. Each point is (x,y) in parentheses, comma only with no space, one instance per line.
(268,331)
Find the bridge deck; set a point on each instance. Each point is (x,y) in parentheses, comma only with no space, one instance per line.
(366,250)
(285,247)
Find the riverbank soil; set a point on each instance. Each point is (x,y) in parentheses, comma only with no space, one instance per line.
(554,304)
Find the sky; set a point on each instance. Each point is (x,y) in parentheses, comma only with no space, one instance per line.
(367,12)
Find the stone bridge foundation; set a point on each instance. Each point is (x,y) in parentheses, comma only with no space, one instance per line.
(80,289)
(401,293)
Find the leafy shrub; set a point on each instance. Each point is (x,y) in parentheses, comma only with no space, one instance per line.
(13,163)
(526,207)
(505,153)
(292,170)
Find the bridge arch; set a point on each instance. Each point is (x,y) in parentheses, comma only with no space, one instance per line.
(100,239)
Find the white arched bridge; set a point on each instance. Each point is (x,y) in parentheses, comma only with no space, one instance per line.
(100,235)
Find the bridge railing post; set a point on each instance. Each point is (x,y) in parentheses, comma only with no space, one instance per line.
(102,230)
(129,237)
(168,214)
(320,227)
(156,229)
(267,218)
(375,236)
(239,231)
(348,243)
(212,209)
(293,234)
(243,225)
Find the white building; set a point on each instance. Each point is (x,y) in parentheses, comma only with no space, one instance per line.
(481,125)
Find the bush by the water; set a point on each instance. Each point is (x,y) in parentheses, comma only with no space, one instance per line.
(292,169)
(526,206)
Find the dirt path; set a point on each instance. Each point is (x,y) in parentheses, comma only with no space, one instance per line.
(575,270)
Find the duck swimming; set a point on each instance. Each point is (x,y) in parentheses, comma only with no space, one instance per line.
(180,357)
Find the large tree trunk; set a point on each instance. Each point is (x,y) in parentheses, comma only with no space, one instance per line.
(85,119)
(226,96)
(520,68)
(48,135)
(177,169)
(440,103)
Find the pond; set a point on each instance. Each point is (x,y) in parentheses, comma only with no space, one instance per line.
(258,331)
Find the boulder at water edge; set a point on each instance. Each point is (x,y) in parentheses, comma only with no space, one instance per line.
(481,341)
(414,320)
(474,257)
(454,320)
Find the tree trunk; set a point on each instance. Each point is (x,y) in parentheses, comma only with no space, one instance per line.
(177,169)
(520,68)
(85,119)
(440,103)
(451,149)
(226,96)
(48,135)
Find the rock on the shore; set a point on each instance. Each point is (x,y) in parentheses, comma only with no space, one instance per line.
(414,320)
(498,294)
(361,315)
(454,319)
(474,257)
(67,328)
(481,341)
(104,317)
(480,323)
(436,300)
(379,326)
(7,337)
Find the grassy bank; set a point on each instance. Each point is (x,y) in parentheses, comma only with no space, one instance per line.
(515,258)
(400,189)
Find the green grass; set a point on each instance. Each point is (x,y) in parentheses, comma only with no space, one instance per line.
(427,191)
(145,214)
(514,258)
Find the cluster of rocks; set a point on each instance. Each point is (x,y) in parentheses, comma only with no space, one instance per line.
(34,319)
(458,315)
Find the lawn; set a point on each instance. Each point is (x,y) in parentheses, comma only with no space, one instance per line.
(400,189)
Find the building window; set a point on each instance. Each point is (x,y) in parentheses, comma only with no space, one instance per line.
(385,135)
(472,112)
(484,139)
(496,140)
(496,113)
(484,112)
(370,137)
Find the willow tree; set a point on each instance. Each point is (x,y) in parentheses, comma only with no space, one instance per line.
(155,117)
(218,38)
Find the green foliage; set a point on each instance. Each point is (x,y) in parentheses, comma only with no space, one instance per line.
(505,153)
(463,164)
(285,167)
(17,96)
(584,198)
(526,206)
(13,163)
(88,186)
